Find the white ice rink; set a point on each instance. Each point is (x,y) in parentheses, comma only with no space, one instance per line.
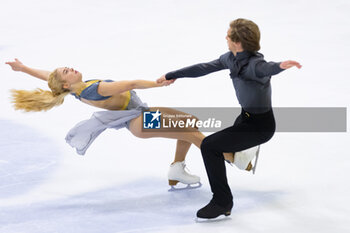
(120,185)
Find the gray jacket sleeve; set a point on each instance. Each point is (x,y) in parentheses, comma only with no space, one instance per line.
(265,69)
(196,70)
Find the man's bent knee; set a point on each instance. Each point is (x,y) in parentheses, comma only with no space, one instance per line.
(206,144)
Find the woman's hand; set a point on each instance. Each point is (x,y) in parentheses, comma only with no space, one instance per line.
(16,65)
(288,64)
(162,81)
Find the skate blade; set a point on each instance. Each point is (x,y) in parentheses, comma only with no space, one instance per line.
(188,187)
(220,218)
(256,160)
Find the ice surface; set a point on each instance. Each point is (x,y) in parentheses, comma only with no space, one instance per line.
(120,185)
(27,158)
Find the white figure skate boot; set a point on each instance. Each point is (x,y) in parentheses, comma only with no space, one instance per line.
(243,159)
(177,173)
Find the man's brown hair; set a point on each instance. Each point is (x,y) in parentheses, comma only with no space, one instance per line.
(246,32)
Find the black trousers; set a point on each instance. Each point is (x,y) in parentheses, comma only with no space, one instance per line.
(248,130)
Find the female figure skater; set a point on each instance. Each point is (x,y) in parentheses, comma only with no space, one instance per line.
(118,97)
(250,75)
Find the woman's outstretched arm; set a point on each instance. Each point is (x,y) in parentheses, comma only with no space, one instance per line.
(18,66)
(111,88)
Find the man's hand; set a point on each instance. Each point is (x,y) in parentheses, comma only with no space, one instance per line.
(288,64)
(16,65)
(162,80)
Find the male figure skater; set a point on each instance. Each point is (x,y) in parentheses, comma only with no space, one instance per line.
(250,75)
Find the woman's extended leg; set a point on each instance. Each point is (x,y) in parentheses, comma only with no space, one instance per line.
(190,135)
(185,137)
(182,148)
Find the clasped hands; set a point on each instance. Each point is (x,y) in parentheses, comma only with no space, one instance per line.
(164,82)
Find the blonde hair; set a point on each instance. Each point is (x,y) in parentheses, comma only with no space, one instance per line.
(38,99)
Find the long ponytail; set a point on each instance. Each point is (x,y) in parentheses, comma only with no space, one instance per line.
(40,100)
